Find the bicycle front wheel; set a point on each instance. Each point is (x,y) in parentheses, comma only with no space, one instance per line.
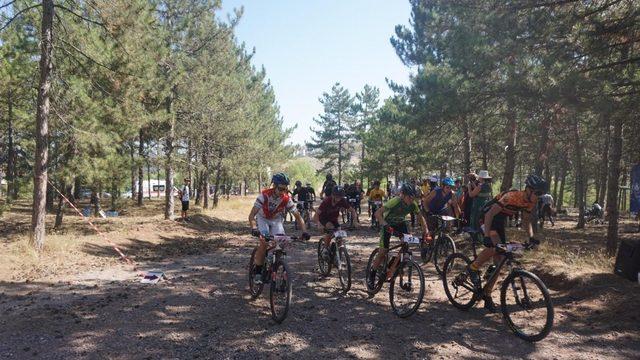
(374,285)
(254,289)
(406,290)
(526,305)
(456,282)
(324,264)
(280,294)
(444,247)
(344,269)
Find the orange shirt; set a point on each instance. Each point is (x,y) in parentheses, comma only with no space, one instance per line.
(514,201)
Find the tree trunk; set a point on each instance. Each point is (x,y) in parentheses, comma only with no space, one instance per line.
(169,203)
(134,192)
(140,170)
(613,186)
(38,234)
(466,146)
(543,149)
(205,179)
(563,180)
(556,179)
(61,206)
(510,156)
(218,175)
(12,193)
(604,166)
(51,196)
(148,161)
(579,178)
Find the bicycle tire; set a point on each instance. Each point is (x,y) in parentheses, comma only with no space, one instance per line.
(378,284)
(426,252)
(344,272)
(324,267)
(398,275)
(254,289)
(506,313)
(444,247)
(453,279)
(277,287)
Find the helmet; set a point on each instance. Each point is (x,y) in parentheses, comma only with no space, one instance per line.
(308,184)
(298,183)
(329,177)
(338,191)
(280,179)
(408,189)
(448,182)
(538,184)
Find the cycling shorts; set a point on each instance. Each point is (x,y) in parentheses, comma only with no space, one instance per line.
(270,227)
(324,223)
(385,236)
(498,225)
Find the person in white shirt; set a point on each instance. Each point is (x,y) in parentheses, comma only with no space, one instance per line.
(184,198)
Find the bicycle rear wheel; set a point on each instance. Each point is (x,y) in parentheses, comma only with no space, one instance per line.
(344,268)
(254,289)
(456,282)
(406,289)
(443,248)
(526,306)
(381,273)
(280,294)
(324,265)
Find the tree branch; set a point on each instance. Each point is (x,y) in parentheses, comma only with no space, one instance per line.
(18,14)
(80,16)
(610,65)
(96,61)
(7,4)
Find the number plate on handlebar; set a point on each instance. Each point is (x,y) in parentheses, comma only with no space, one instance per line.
(448,218)
(512,247)
(340,234)
(410,239)
(378,203)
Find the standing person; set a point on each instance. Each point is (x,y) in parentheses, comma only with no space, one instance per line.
(267,217)
(481,194)
(472,182)
(184,194)
(328,186)
(546,208)
(433,183)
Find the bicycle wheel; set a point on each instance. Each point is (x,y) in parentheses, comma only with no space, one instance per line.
(406,289)
(426,251)
(254,289)
(443,248)
(280,294)
(324,265)
(526,305)
(381,273)
(456,282)
(344,268)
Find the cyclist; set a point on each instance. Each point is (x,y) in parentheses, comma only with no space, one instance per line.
(302,196)
(440,201)
(328,185)
(375,194)
(267,216)
(311,195)
(545,208)
(433,183)
(497,212)
(355,192)
(392,215)
(327,215)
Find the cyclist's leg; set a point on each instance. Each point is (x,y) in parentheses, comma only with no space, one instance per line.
(329,225)
(385,238)
(497,235)
(265,229)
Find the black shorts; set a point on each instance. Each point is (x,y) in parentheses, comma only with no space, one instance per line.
(498,225)
(185,205)
(324,223)
(385,236)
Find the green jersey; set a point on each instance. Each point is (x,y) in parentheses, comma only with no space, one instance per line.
(395,210)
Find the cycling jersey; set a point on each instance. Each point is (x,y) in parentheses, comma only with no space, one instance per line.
(438,204)
(328,186)
(302,194)
(329,211)
(376,194)
(514,201)
(395,210)
(273,207)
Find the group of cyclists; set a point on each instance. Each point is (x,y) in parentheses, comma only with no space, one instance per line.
(472,202)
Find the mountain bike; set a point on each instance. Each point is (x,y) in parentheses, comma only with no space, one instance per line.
(338,256)
(375,205)
(276,273)
(404,275)
(440,245)
(524,299)
(303,208)
(347,218)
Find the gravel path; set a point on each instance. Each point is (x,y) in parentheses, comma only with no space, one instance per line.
(204,311)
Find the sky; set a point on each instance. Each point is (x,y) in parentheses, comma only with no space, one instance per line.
(307,46)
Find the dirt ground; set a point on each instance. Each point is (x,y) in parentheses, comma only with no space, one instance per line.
(78,300)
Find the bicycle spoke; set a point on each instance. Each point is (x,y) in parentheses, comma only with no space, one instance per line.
(527,306)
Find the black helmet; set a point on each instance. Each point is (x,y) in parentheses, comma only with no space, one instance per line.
(280,179)
(338,190)
(329,177)
(408,189)
(298,183)
(538,184)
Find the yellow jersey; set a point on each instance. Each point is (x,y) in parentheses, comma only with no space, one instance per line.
(376,194)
